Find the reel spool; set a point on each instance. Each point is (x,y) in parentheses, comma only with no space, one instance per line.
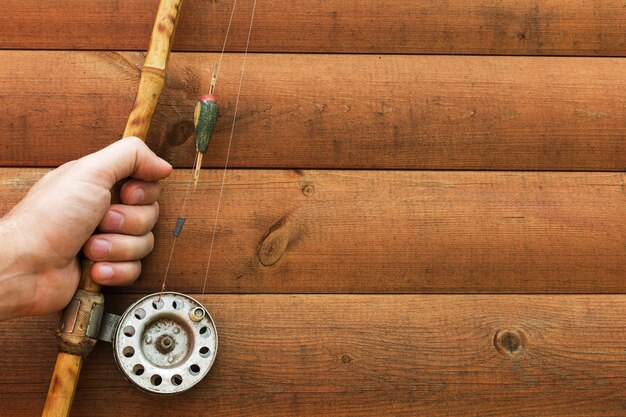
(165,343)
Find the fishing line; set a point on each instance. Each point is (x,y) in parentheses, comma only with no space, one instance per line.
(178,225)
(181,219)
(230,141)
(196,165)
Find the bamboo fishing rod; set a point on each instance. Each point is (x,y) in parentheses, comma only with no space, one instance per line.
(78,330)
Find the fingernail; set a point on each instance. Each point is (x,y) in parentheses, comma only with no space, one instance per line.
(113,220)
(100,248)
(137,196)
(106,272)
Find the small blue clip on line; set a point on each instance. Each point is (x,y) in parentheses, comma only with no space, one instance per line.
(180,222)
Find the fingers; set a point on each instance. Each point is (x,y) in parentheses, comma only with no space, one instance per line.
(130,220)
(115,273)
(129,238)
(127,226)
(117,257)
(128,157)
(140,192)
(118,248)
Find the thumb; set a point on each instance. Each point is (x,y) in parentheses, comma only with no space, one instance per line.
(127,157)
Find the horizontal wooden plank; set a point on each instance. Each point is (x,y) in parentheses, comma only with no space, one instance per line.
(364,356)
(529,27)
(387,231)
(323,111)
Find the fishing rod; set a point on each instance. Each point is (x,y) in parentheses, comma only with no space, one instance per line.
(160,335)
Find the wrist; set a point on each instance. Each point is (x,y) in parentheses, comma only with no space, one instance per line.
(16,284)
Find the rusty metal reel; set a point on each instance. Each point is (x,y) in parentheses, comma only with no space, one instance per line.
(165,343)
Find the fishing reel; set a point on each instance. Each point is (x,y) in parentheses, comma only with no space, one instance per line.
(164,343)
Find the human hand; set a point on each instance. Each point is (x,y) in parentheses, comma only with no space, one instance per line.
(42,236)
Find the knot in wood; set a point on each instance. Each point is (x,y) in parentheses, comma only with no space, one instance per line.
(275,243)
(273,247)
(510,342)
(308,190)
(180,133)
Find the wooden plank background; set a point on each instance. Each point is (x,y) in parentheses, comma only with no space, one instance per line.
(285,231)
(365,356)
(426,215)
(494,27)
(329,111)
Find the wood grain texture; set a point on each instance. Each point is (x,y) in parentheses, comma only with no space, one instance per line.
(363,356)
(323,111)
(387,231)
(528,27)
(62,385)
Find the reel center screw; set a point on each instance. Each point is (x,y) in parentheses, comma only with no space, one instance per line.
(165,344)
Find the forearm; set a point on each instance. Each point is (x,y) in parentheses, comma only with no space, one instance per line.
(16,285)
